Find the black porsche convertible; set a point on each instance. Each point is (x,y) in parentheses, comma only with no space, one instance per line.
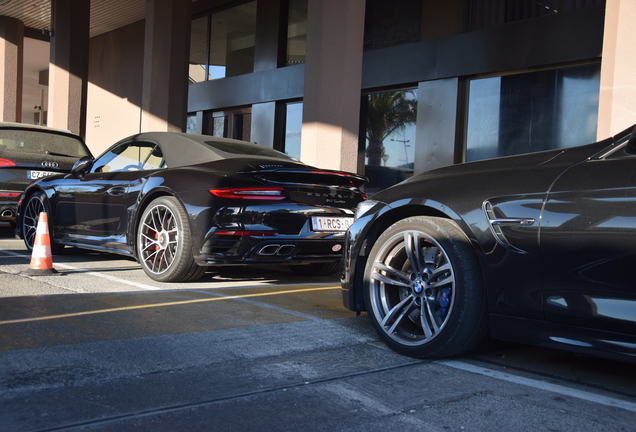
(537,248)
(181,202)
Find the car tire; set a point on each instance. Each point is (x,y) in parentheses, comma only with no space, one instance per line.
(423,290)
(35,203)
(319,269)
(164,242)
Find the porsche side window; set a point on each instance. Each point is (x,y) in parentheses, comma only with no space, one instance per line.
(152,158)
(127,157)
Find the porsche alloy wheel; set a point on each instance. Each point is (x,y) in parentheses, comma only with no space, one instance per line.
(422,288)
(164,246)
(159,239)
(30,217)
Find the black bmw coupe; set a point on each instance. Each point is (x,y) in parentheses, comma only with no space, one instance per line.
(181,202)
(537,248)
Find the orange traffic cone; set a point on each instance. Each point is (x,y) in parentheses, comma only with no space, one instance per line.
(41,259)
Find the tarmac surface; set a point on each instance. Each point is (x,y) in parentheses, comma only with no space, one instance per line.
(102,347)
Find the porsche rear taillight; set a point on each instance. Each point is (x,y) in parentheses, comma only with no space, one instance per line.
(6,162)
(9,194)
(260,193)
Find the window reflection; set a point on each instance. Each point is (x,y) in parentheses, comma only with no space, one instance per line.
(232,39)
(198,67)
(531,112)
(293,126)
(296,31)
(389,140)
(236,123)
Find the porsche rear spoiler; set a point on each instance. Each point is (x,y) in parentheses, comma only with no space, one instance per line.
(310,176)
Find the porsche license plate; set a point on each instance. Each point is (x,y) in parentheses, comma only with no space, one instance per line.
(327,223)
(34,175)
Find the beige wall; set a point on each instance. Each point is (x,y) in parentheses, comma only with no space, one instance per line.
(114,90)
(333,77)
(617,104)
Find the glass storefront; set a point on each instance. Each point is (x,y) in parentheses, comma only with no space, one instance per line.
(531,112)
(296,32)
(235,123)
(222,43)
(389,136)
(293,127)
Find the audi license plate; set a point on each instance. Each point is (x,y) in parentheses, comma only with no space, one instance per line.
(326,223)
(34,175)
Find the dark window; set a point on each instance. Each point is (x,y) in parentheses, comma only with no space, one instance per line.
(494,12)
(32,141)
(222,43)
(388,120)
(293,128)
(199,50)
(531,112)
(235,123)
(389,23)
(232,39)
(296,31)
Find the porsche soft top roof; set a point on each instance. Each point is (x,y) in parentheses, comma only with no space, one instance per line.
(182,149)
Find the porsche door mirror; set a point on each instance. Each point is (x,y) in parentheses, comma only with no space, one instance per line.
(82,165)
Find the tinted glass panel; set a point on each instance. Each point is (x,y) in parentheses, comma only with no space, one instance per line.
(389,23)
(293,127)
(198,67)
(532,112)
(235,124)
(232,41)
(389,137)
(296,31)
(16,140)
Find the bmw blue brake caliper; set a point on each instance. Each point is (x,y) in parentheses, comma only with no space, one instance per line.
(444,302)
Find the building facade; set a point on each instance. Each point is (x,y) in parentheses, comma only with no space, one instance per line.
(386,89)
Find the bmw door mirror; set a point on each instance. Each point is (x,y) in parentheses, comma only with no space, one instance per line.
(81,166)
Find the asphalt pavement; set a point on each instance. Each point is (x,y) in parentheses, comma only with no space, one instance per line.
(102,347)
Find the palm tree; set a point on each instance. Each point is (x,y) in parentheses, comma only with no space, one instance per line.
(387,112)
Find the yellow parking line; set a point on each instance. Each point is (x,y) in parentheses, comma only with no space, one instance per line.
(154,305)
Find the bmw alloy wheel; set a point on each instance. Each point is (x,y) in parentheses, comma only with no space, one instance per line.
(412,288)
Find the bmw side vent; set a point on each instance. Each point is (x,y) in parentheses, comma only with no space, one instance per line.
(496,223)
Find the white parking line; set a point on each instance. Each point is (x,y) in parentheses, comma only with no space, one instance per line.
(541,385)
(140,285)
(199,291)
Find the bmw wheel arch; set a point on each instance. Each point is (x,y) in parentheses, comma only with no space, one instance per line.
(422,288)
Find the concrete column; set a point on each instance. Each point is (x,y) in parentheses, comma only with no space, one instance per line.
(263,121)
(617,101)
(333,79)
(68,67)
(435,134)
(165,75)
(11,48)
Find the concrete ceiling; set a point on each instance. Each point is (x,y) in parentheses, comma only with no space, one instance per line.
(106,15)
